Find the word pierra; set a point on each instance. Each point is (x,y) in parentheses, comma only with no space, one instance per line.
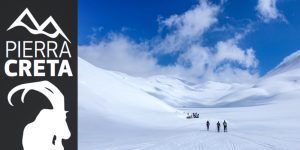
(35,56)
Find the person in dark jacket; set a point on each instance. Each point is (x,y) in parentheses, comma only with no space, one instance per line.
(207,125)
(225,126)
(218,126)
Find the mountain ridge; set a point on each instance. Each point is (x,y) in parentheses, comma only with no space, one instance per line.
(39,28)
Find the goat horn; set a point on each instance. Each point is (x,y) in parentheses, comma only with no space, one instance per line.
(55,97)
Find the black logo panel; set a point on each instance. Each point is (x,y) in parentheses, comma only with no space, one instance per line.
(38,75)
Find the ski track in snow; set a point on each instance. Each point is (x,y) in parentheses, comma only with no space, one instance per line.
(203,140)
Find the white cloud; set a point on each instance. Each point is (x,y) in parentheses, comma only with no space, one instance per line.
(117,52)
(195,21)
(227,73)
(229,51)
(228,54)
(187,27)
(219,63)
(184,33)
(268,10)
(196,61)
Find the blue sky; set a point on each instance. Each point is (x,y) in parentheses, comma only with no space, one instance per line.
(271,37)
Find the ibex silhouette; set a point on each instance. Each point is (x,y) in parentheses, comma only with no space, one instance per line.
(49,127)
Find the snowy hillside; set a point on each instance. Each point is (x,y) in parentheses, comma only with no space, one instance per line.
(111,95)
(284,78)
(170,90)
(289,63)
(120,112)
(180,93)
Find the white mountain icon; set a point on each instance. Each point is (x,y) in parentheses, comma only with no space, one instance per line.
(39,28)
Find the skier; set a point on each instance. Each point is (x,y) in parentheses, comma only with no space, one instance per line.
(218,126)
(225,126)
(207,125)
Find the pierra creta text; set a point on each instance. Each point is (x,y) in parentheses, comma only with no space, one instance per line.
(35,56)
(35,49)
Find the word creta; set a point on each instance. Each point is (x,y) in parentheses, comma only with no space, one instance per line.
(35,57)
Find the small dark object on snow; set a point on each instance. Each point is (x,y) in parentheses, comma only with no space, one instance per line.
(218,126)
(207,125)
(188,116)
(195,115)
(225,126)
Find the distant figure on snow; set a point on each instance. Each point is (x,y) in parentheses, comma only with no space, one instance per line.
(218,126)
(195,115)
(225,126)
(188,116)
(207,125)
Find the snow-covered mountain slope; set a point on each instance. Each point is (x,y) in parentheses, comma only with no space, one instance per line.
(111,95)
(284,78)
(168,89)
(179,93)
(289,63)
(120,112)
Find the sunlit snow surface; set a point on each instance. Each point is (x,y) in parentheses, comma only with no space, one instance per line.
(120,112)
